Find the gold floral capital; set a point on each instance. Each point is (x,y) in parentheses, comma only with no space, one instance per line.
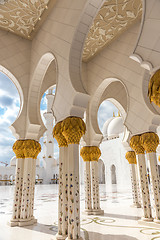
(154,88)
(131,157)
(18,148)
(150,141)
(73,128)
(95,153)
(135,144)
(85,153)
(31,148)
(57,134)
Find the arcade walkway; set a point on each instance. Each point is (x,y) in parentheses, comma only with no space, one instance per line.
(118,223)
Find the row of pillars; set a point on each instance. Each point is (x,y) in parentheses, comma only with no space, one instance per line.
(68,134)
(141,144)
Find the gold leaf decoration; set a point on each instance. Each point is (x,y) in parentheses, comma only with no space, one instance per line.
(135,144)
(149,141)
(57,134)
(154,88)
(131,157)
(73,128)
(20,17)
(114,17)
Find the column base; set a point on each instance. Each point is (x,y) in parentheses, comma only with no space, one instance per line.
(135,205)
(74,238)
(149,224)
(146,219)
(98,212)
(13,223)
(22,222)
(60,237)
(156,221)
(87,212)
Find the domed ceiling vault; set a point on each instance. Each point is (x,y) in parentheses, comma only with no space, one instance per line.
(23,18)
(114,17)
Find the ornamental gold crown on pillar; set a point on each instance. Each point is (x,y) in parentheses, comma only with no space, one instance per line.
(135,144)
(154,88)
(90,153)
(95,153)
(18,148)
(27,148)
(149,141)
(73,128)
(131,157)
(57,134)
(85,153)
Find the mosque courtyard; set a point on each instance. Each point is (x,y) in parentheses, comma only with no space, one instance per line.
(119,220)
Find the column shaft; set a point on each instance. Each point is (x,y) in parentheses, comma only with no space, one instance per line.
(65,193)
(144,187)
(18,190)
(152,159)
(87,182)
(33,186)
(138,186)
(134,185)
(73,192)
(60,193)
(26,190)
(95,186)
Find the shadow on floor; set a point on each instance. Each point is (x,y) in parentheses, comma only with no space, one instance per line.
(38,227)
(99,236)
(52,230)
(112,215)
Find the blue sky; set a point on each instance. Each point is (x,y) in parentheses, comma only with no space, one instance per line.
(9,108)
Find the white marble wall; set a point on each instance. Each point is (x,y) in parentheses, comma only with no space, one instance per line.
(113,153)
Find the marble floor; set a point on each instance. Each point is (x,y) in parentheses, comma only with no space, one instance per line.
(118,223)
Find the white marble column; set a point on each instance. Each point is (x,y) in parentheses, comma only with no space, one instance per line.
(65,192)
(63,185)
(150,142)
(95,153)
(26,191)
(135,144)
(33,186)
(73,128)
(18,149)
(60,198)
(73,193)
(138,186)
(25,187)
(87,182)
(85,154)
(131,157)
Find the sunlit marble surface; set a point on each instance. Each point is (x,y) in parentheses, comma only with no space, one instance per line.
(118,223)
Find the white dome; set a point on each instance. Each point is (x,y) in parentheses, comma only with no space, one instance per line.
(105,127)
(115,127)
(13,161)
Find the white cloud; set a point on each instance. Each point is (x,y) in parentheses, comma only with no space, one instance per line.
(9,108)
